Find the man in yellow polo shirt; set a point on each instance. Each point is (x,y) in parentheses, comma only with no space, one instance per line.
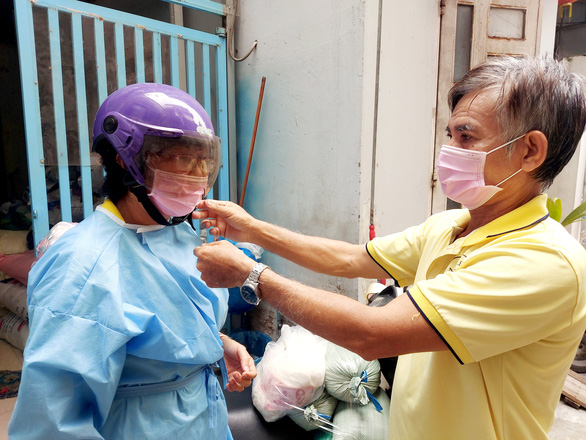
(495,300)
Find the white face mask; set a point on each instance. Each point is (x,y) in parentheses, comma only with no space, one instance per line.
(176,195)
(461,174)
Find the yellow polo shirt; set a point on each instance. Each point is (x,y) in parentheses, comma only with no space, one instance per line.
(509,300)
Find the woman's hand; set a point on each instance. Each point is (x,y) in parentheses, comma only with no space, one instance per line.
(240,365)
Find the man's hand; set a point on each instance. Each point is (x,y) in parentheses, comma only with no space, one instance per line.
(240,365)
(225,219)
(222,264)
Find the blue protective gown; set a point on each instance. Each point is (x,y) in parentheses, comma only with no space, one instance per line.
(112,306)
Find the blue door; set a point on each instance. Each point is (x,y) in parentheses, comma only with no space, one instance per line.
(72,56)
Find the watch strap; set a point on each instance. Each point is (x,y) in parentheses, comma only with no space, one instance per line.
(255,272)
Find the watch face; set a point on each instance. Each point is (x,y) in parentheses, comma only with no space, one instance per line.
(249,294)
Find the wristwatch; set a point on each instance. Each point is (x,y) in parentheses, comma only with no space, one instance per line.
(249,289)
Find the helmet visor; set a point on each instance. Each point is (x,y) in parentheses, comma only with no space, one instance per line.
(188,156)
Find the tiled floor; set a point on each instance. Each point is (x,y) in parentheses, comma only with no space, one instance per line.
(570,423)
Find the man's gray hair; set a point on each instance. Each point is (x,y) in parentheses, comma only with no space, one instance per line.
(532,94)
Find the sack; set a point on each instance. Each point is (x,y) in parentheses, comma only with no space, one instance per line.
(314,414)
(290,374)
(13,329)
(13,297)
(358,422)
(349,377)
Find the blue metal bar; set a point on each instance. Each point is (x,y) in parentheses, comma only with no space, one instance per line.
(120,54)
(31,102)
(174,55)
(139,55)
(207,89)
(100,60)
(190,62)
(59,115)
(157,60)
(112,15)
(222,121)
(32,117)
(207,93)
(82,124)
(201,5)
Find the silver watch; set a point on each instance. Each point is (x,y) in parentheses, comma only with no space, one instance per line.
(249,289)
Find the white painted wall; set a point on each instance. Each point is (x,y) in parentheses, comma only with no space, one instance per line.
(306,170)
(406,119)
(312,163)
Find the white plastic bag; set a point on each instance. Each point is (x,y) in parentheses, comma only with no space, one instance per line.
(290,373)
(53,235)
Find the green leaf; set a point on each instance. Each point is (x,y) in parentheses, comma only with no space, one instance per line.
(576,215)
(554,206)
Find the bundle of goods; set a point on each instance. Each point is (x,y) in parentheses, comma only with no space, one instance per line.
(290,374)
(320,385)
(362,422)
(15,264)
(350,378)
(13,329)
(13,298)
(317,414)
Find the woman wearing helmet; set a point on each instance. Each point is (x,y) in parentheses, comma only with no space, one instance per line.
(123,332)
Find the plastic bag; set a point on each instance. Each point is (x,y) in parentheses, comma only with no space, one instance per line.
(54,234)
(357,422)
(290,374)
(313,415)
(349,377)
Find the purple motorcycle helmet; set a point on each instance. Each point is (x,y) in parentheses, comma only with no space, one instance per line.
(150,117)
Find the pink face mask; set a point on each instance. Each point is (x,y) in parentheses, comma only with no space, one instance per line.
(176,195)
(461,174)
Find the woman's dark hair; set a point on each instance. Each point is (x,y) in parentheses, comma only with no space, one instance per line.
(114,186)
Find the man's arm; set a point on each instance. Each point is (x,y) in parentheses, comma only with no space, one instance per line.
(323,255)
(371,332)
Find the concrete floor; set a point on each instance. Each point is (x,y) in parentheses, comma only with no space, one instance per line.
(570,423)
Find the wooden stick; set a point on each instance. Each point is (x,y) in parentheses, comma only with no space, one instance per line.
(262,89)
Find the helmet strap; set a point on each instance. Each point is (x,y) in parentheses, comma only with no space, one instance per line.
(141,194)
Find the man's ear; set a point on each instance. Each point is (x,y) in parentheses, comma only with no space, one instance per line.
(120,162)
(535,144)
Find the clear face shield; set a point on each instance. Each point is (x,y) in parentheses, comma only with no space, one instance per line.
(179,172)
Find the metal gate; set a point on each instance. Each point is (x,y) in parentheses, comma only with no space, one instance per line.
(72,56)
